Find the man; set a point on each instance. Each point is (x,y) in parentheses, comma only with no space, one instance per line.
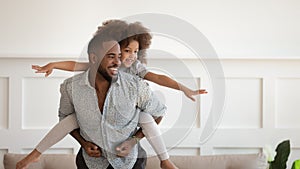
(107,104)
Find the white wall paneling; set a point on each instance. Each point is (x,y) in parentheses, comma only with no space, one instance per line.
(2,152)
(185,151)
(183,105)
(4,81)
(29,106)
(40,102)
(228,150)
(287,102)
(247,94)
(261,106)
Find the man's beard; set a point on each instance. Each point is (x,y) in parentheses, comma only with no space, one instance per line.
(104,73)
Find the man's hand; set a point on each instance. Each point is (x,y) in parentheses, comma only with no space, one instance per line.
(125,148)
(92,149)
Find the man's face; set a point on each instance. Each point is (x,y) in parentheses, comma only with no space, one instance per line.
(110,63)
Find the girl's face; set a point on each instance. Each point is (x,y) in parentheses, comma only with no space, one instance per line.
(129,53)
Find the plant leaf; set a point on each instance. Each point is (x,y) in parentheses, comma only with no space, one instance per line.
(296,164)
(282,154)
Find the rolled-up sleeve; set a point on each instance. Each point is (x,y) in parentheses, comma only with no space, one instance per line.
(141,69)
(148,102)
(66,106)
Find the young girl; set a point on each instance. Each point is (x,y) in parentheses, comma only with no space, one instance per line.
(133,50)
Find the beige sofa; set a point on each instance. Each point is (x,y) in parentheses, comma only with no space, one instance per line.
(67,161)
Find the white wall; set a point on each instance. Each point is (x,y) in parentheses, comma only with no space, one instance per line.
(250,28)
(257,42)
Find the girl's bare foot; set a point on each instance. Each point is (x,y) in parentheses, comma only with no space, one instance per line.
(167,164)
(34,156)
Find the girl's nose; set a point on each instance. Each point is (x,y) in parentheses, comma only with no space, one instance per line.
(133,55)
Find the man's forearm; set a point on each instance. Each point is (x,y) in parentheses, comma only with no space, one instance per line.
(76,134)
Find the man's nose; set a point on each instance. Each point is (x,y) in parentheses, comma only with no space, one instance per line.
(117,61)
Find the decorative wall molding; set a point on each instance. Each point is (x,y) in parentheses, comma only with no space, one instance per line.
(261,106)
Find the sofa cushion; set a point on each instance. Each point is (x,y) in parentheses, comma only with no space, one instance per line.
(67,161)
(247,161)
(47,161)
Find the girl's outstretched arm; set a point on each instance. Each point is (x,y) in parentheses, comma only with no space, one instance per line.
(168,82)
(63,65)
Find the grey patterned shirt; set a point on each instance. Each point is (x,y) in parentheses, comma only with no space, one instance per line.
(137,68)
(126,97)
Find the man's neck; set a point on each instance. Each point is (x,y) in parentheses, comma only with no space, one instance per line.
(101,82)
(101,86)
(97,80)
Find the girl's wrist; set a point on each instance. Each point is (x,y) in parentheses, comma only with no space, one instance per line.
(52,65)
(136,139)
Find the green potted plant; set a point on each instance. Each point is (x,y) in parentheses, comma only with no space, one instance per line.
(282,154)
(296,164)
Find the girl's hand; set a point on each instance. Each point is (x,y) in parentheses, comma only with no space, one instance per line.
(125,148)
(190,93)
(44,69)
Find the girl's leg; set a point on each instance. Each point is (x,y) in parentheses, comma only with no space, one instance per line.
(58,132)
(153,135)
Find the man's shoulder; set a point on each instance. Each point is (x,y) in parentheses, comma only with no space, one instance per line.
(75,79)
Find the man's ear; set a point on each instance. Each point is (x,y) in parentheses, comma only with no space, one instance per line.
(93,58)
